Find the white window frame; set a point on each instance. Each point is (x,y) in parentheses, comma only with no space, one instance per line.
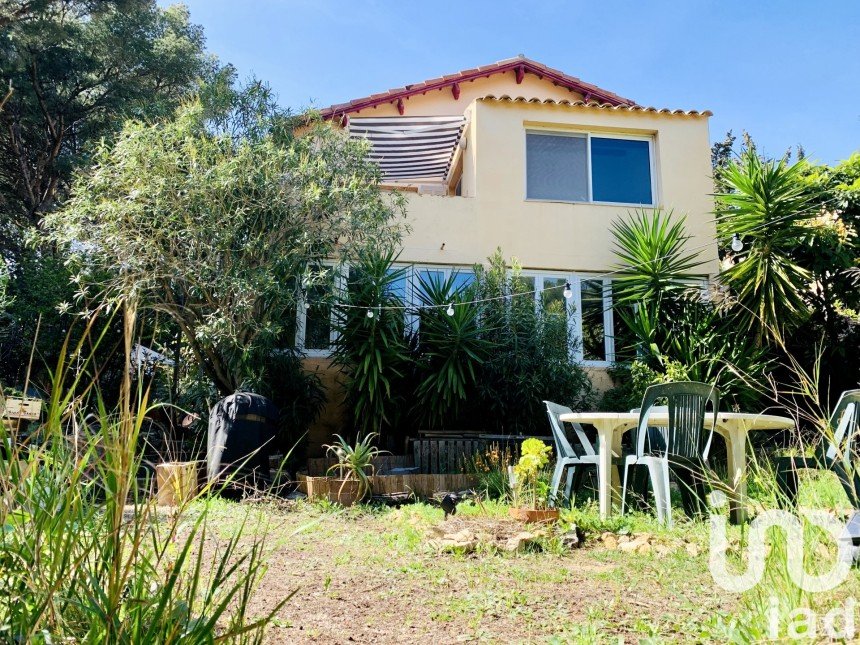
(608,321)
(340,280)
(575,321)
(555,131)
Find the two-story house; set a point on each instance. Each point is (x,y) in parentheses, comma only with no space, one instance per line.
(524,157)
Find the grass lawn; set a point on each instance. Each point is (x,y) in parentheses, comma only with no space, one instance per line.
(377,575)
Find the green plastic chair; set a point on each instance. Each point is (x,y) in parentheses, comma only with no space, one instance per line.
(841,455)
(568,456)
(684,448)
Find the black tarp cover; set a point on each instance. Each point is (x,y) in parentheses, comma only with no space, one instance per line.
(242,429)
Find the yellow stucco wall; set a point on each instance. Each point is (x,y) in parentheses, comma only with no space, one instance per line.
(493,210)
(556,235)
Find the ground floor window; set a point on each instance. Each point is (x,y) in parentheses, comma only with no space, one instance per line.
(600,336)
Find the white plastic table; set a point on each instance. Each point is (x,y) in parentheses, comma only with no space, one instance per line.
(733,426)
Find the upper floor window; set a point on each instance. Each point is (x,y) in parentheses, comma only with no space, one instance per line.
(576,167)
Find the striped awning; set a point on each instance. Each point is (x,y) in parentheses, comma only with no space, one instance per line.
(407,149)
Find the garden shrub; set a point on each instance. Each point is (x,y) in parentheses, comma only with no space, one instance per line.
(452,348)
(373,352)
(207,214)
(531,360)
(491,470)
(85,554)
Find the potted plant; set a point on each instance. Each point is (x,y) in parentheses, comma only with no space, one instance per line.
(354,468)
(529,490)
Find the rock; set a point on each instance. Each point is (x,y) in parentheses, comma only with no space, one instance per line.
(644,548)
(462,541)
(634,544)
(692,549)
(464,535)
(573,538)
(610,541)
(437,531)
(462,546)
(519,541)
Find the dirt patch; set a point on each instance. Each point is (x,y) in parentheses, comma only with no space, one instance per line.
(383,578)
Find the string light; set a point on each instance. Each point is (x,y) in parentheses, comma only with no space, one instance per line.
(736,245)
(450,310)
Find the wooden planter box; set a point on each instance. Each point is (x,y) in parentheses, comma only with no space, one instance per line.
(342,491)
(534,516)
(422,486)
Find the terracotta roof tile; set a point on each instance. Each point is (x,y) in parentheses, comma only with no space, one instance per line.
(596,104)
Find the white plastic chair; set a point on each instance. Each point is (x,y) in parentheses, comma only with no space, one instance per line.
(568,456)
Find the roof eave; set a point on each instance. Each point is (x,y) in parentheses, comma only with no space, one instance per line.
(590,92)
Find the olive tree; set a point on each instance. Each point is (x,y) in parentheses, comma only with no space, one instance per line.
(221,222)
(77,68)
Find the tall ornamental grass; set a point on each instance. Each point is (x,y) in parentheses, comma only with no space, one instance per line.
(86,557)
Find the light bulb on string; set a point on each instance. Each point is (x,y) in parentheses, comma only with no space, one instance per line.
(307,305)
(370,313)
(450,310)
(568,292)
(737,244)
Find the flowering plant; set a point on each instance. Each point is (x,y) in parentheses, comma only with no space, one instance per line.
(528,485)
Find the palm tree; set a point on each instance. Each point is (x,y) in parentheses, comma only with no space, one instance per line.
(765,206)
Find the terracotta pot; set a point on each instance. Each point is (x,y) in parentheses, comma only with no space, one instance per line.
(534,516)
(345,492)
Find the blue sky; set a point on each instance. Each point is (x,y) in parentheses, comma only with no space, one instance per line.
(786,71)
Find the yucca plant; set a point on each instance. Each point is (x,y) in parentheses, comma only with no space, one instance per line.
(654,262)
(657,298)
(765,206)
(451,347)
(372,351)
(654,273)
